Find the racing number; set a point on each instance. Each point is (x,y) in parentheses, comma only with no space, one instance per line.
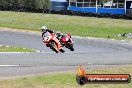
(48,38)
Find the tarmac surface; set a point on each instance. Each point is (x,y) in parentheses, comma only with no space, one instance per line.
(90,52)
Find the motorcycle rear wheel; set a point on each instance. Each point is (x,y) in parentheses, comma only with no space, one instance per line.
(71,48)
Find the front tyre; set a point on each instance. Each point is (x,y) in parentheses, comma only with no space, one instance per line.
(61,50)
(53,46)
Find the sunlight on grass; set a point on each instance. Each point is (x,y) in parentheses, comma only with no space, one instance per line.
(15,49)
(76,25)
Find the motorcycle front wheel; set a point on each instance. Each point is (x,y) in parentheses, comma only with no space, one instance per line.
(53,46)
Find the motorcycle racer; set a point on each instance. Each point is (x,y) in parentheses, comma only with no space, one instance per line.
(45,29)
(65,40)
(60,35)
(49,32)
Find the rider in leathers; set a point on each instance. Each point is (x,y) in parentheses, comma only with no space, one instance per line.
(45,29)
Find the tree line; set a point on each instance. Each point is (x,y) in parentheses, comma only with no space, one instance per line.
(25,5)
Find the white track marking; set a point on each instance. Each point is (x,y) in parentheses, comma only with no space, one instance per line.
(123,40)
(38,51)
(39,33)
(99,38)
(8,65)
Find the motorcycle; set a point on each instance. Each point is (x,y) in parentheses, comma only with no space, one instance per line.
(66,41)
(51,41)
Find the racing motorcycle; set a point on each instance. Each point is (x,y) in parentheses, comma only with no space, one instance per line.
(66,41)
(51,41)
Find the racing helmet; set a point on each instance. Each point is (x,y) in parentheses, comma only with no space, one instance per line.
(59,34)
(44,28)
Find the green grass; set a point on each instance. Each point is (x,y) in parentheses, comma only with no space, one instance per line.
(15,49)
(65,80)
(76,25)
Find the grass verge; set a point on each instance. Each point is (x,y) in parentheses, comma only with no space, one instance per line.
(76,25)
(65,80)
(14,49)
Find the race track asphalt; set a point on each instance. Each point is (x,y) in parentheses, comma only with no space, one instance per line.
(89,52)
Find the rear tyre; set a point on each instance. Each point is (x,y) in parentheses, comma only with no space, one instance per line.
(71,48)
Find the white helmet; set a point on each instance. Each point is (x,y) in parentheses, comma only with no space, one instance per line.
(43,28)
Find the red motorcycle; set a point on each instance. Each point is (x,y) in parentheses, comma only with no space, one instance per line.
(51,41)
(66,41)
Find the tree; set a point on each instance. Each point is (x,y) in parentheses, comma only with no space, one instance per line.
(21,3)
(5,3)
(30,3)
(43,4)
